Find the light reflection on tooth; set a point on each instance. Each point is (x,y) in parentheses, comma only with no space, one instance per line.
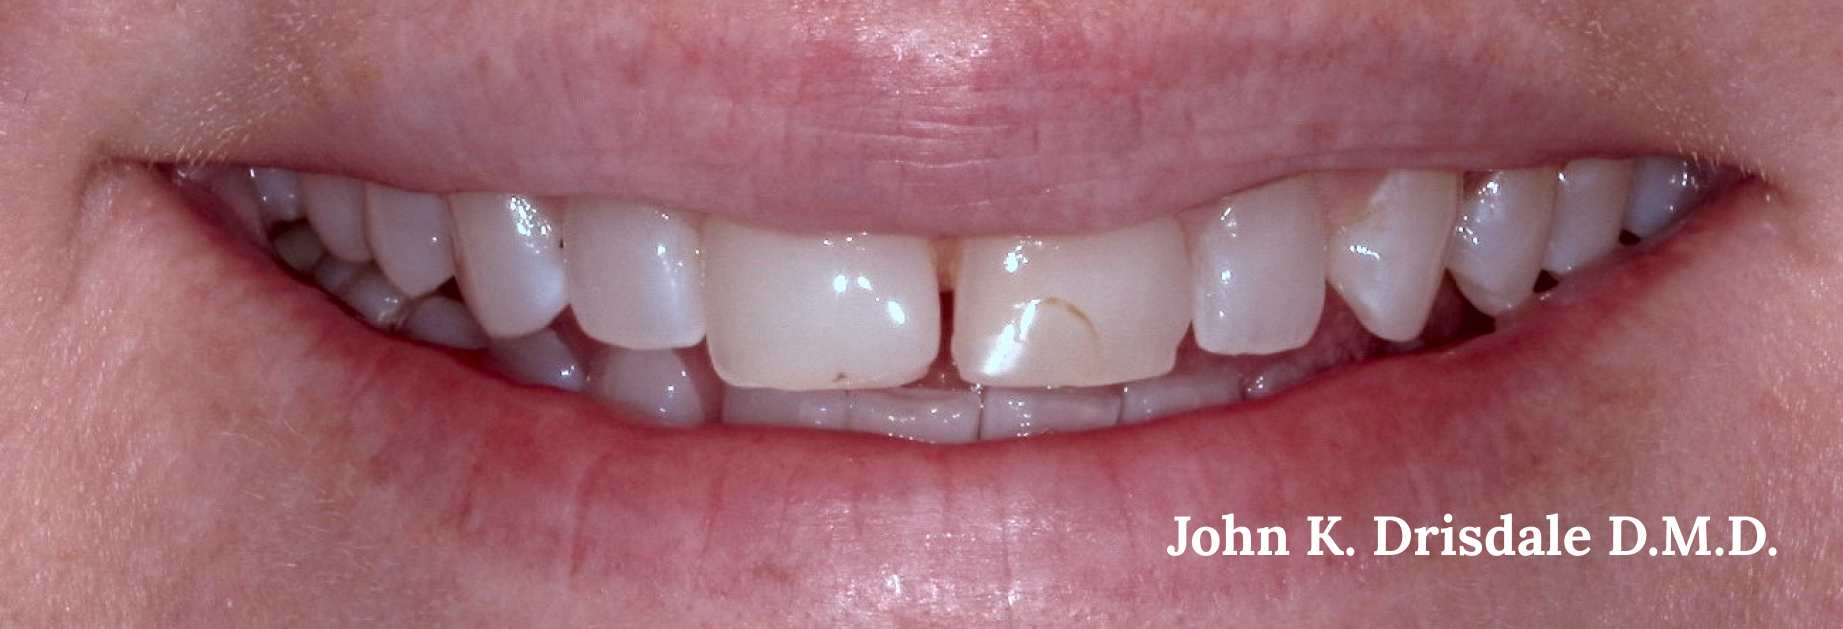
(1498,242)
(336,207)
(375,300)
(826,410)
(635,273)
(673,387)
(280,193)
(1145,400)
(1024,412)
(508,262)
(438,320)
(1589,211)
(1388,253)
(411,236)
(1258,268)
(804,311)
(1663,188)
(541,358)
(934,416)
(1084,309)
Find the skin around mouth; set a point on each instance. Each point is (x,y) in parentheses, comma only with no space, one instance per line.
(192,438)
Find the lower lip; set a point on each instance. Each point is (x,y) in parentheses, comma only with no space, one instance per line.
(551,483)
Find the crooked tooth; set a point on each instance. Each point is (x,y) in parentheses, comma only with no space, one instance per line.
(539,358)
(411,236)
(509,262)
(804,312)
(1589,212)
(1025,412)
(930,415)
(1663,188)
(1075,310)
(635,274)
(673,387)
(1258,268)
(1498,243)
(335,206)
(1388,250)
(827,410)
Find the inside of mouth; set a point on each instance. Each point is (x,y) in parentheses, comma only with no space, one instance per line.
(679,319)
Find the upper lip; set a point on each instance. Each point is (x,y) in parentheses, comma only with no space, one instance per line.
(957,118)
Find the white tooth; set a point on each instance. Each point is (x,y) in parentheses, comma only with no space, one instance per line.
(332,274)
(673,387)
(412,237)
(336,207)
(299,247)
(374,299)
(1663,188)
(508,262)
(1387,254)
(1025,412)
(635,274)
(1072,310)
(1589,210)
(540,358)
(1169,395)
(804,312)
(1258,268)
(280,192)
(789,409)
(930,415)
(1497,245)
(438,320)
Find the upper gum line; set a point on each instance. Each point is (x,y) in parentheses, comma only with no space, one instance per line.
(862,312)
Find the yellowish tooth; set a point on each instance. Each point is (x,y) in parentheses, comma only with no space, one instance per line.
(1503,229)
(1388,250)
(1258,268)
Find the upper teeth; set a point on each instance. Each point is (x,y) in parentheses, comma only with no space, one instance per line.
(792,311)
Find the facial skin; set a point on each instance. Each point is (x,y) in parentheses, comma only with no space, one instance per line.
(190,438)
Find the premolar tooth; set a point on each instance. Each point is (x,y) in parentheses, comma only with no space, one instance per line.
(538,358)
(299,248)
(1025,412)
(336,207)
(826,410)
(509,262)
(1663,188)
(1388,252)
(442,321)
(1589,210)
(1258,268)
(635,274)
(1072,310)
(930,415)
(804,312)
(1498,243)
(280,192)
(673,387)
(375,300)
(411,236)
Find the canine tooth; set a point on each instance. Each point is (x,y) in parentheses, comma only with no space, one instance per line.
(438,320)
(788,409)
(1258,268)
(1169,395)
(1025,412)
(804,311)
(634,274)
(1386,257)
(336,207)
(1663,188)
(541,358)
(674,387)
(280,192)
(934,416)
(411,236)
(299,248)
(1074,310)
(508,262)
(1497,245)
(374,299)
(1589,211)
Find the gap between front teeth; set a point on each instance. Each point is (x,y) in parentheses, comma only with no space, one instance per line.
(686,319)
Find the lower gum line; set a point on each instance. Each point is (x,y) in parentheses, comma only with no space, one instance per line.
(678,387)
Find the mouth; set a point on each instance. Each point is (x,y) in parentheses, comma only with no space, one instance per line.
(1223,280)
